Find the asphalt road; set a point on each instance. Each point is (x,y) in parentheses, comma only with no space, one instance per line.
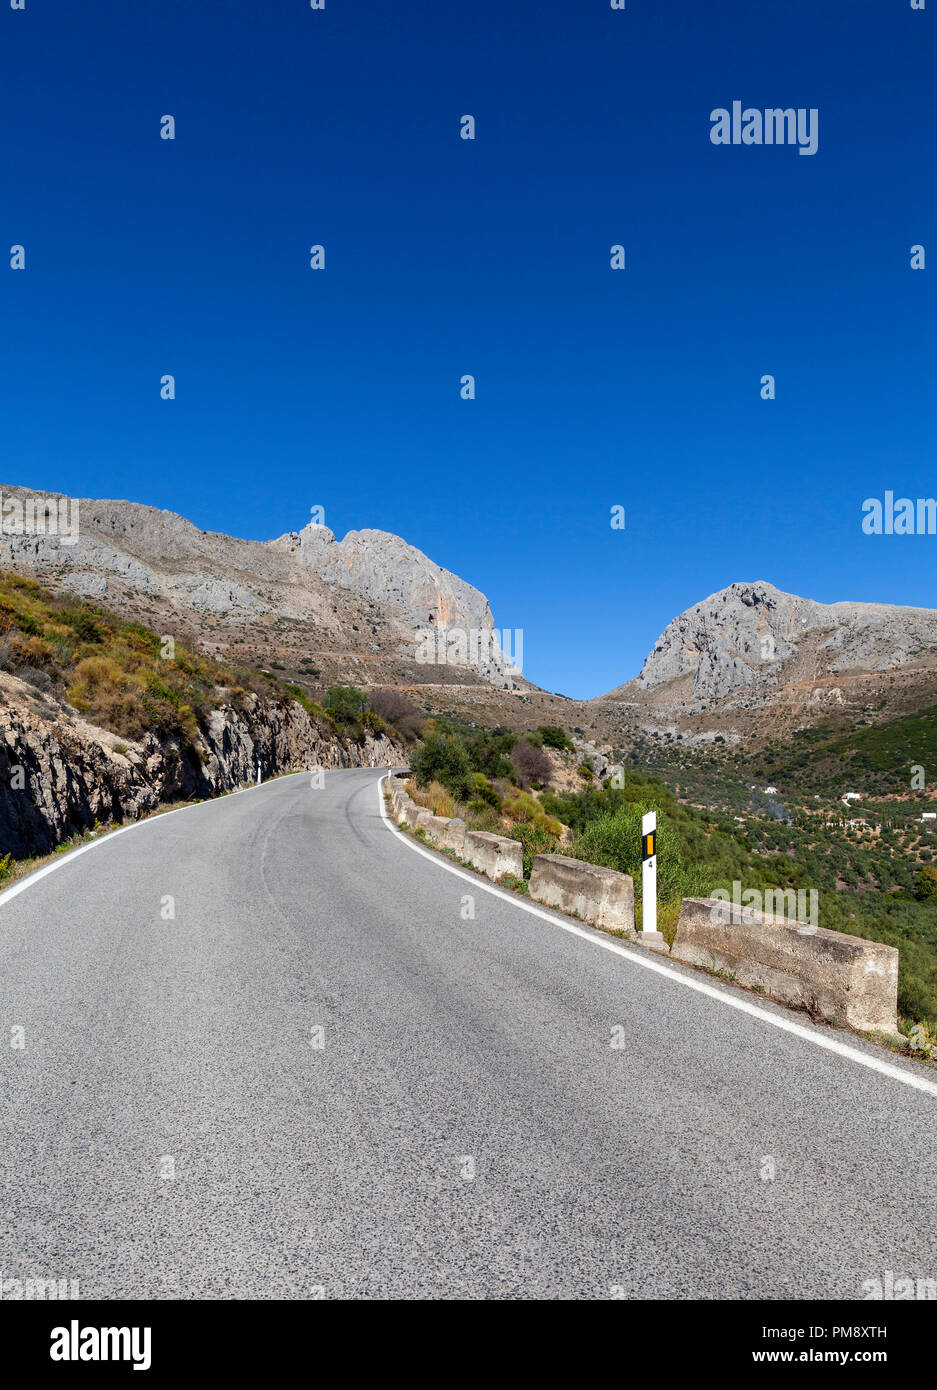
(465,1128)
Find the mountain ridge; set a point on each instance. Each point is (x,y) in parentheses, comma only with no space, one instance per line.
(370,595)
(748,657)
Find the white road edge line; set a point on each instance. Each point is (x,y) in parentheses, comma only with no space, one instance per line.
(109,835)
(638,957)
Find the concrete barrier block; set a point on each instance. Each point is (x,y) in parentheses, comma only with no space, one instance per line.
(436,827)
(602,897)
(454,837)
(837,976)
(494,855)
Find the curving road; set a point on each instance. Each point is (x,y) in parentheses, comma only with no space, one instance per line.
(465,1129)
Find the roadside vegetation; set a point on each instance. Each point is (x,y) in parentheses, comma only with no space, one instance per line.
(127,679)
(113,672)
(353,713)
(873,886)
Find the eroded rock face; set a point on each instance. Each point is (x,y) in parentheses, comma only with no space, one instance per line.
(60,774)
(397,576)
(393,572)
(743,636)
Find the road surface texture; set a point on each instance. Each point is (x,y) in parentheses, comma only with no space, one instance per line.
(320,1078)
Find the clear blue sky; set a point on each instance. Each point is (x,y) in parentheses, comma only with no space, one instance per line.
(444,257)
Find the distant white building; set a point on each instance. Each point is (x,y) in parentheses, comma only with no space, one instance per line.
(852,796)
(929,815)
(771,791)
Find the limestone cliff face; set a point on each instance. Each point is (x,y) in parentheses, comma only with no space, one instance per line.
(391,572)
(753,635)
(60,774)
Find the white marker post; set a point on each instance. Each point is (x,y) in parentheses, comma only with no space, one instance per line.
(649,871)
(650,936)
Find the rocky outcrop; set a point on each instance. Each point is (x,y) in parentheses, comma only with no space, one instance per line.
(59,774)
(749,636)
(390,572)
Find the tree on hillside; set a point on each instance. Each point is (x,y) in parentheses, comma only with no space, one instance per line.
(554,737)
(532,766)
(345,703)
(443,758)
(395,708)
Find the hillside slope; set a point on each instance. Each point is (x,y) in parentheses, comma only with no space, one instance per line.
(100,721)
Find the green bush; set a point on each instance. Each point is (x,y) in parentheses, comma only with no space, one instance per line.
(483,789)
(84,623)
(535,839)
(614,840)
(926,890)
(522,807)
(344,704)
(489,751)
(443,758)
(554,737)
(28,624)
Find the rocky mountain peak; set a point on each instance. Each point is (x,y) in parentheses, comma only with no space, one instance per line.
(745,635)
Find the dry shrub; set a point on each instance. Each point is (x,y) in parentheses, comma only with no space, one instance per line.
(531,764)
(434,798)
(522,808)
(396,709)
(106,696)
